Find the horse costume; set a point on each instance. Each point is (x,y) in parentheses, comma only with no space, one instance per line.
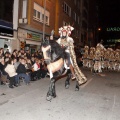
(55,57)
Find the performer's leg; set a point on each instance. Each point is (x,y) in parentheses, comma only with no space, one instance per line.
(68,62)
(72,71)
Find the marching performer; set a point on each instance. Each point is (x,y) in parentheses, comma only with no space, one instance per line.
(85,56)
(98,65)
(66,43)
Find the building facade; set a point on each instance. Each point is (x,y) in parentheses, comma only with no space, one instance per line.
(6,24)
(36,21)
(68,13)
(84,13)
(33,20)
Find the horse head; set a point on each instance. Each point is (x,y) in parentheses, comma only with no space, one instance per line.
(45,43)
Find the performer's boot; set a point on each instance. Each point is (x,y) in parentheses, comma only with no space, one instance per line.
(67,81)
(77,86)
(51,92)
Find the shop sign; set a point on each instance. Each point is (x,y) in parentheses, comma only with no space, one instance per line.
(25,34)
(113,40)
(33,36)
(113,29)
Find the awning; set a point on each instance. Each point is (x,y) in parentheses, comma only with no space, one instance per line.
(7,25)
(5,37)
(6,29)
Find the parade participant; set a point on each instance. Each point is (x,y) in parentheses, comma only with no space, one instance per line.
(91,57)
(64,41)
(54,54)
(86,56)
(10,69)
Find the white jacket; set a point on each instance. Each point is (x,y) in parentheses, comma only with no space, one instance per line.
(35,67)
(10,69)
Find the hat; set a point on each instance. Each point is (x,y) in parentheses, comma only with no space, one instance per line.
(68,29)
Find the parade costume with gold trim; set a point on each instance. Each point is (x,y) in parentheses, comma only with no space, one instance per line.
(98,58)
(101,58)
(91,57)
(85,56)
(117,60)
(67,43)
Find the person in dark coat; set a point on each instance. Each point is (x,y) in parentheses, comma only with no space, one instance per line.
(22,71)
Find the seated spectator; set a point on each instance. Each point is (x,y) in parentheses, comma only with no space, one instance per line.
(3,74)
(10,69)
(32,60)
(14,55)
(36,68)
(40,55)
(22,71)
(15,63)
(28,65)
(28,54)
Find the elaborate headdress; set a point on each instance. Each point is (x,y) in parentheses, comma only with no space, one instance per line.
(68,29)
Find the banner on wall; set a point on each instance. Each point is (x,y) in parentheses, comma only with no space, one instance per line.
(26,34)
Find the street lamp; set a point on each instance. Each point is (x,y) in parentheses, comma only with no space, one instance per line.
(99,29)
(44,20)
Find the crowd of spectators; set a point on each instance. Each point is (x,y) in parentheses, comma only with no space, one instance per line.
(21,64)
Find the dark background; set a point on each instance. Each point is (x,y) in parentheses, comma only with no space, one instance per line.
(108,16)
(109,13)
(6,10)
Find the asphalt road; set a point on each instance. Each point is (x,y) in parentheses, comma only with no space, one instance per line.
(98,99)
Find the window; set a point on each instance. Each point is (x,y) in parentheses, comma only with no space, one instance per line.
(84,24)
(38,14)
(85,15)
(46,19)
(42,17)
(67,9)
(24,9)
(78,20)
(34,14)
(75,1)
(85,4)
(78,4)
(74,16)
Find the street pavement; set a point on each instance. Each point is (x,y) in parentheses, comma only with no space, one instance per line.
(98,99)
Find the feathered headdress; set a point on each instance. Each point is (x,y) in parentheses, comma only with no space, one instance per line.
(68,29)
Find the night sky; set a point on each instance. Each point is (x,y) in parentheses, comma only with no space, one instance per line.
(109,17)
(109,13)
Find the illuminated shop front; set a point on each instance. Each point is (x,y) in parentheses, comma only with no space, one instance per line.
(32,39)
(6,35)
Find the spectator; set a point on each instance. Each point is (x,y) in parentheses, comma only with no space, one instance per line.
(14,55)
(10,69)
(22,71)
(36,68)
(15,63)
(3,74)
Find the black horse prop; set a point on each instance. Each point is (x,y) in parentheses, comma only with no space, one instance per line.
(55,58)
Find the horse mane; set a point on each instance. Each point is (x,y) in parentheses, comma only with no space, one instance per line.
(56,49)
